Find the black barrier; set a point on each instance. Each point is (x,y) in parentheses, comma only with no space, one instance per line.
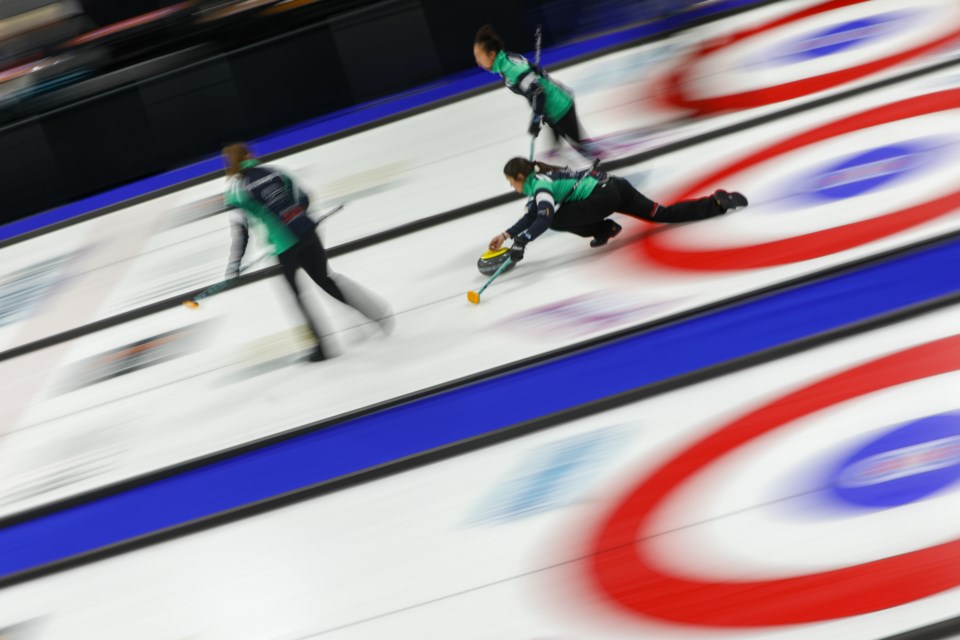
(194,110)
(368,51)
(288,80)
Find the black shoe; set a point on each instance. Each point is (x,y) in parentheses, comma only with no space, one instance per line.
(608,234)
(727,201)
(317,355)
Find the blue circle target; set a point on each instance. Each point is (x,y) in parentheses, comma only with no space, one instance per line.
(868,170)
(902,466)
(841,37)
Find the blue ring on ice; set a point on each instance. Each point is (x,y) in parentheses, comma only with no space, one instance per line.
(868,170)
(839,38)
(904,465)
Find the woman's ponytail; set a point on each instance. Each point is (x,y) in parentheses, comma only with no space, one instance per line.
(523,167)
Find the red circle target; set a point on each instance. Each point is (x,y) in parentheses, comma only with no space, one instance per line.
(676,81)
(625,573)
(818,243)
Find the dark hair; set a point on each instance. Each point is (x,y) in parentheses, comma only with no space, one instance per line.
(234,154)
(523,167)
(488,39)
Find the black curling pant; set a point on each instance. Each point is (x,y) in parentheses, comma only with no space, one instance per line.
(616,195)
(309,255)
(568,128)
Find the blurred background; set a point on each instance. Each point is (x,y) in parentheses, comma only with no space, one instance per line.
(142,86)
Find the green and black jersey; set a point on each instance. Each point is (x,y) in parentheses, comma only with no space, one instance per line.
(547,192)
(546,97)
(270,199)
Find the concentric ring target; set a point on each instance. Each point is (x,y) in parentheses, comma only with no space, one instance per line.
(624,570)
(665,248)
(852,46)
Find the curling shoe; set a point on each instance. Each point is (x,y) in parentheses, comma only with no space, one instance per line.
(729,200)
(611,231)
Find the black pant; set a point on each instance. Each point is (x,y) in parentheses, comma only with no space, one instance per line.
(308,254)
(568,128)
(616,195)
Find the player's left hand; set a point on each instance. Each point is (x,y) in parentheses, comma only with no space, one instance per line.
(535,123)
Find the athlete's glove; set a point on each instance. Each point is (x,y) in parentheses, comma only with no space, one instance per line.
(516,251)
(535,123)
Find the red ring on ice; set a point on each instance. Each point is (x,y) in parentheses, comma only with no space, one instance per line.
(819,243)
(789,90)
(626,574)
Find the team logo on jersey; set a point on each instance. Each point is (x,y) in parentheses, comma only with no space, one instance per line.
(907,464)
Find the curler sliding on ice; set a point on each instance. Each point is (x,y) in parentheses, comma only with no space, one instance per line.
(500,260)
(581,202)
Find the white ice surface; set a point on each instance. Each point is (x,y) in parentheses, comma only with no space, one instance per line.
(492,544)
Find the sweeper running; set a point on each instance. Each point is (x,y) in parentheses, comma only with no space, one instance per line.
(270,198)
(550,101)
(581,202)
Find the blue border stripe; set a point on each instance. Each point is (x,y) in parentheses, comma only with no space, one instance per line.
(484,407)
(352,117)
